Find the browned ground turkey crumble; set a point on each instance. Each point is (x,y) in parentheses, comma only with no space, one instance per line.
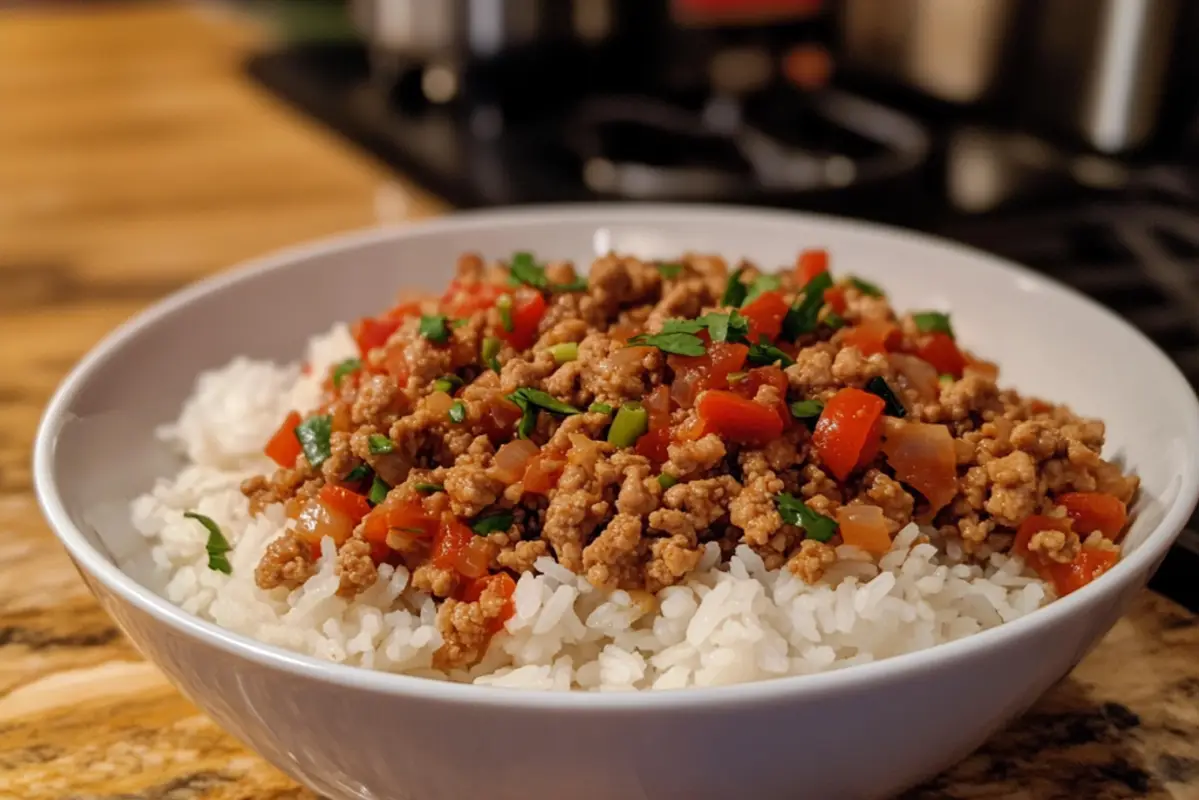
(609,517)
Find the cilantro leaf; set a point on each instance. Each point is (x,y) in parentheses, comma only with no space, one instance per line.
(795,512)
(347,367)
(731,327)
(735,290)
(683,326)
(765,353)
(435,328)
(360,473)
(216,546)
(379,491)
(523,268)
(492,522)
(682,344)
(809,411)
(866,287)
(933,322)
(892,405)
(543,400)
(314,434)
(802,316)
(763,283)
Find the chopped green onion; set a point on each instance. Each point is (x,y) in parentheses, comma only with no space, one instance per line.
(666,480)
(866,287)
(802,316)
(343,369)
(600,408)
(795,512)
(892,405)
(379,491)
(216,546)
(504,307)
(670,271)
(807,409)
(447,383)
(435,328)
(457,412)
(933,322)
(488,352)
(735,290)
(314,434)
(945,379)
(429,488)
(378,444)
(564,352)
(458,323)
(492,522)
(359,473)
(630,423)
(835,320)
(764,353)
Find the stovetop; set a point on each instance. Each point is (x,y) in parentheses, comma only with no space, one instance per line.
(565,129)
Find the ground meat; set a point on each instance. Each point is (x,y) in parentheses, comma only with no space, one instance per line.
(520,556)
(467,628)
(613,560)
(1055,545)
(579,504)
(812,374)
(376,402)
(435,580)
(283,485)
(670,560)
(690,508)
(753,510)
(287,562)
(689,458)
(887,493)
(468,484)
(354,567)
(810,560)
(341,458)
(1014,491)
(615,282)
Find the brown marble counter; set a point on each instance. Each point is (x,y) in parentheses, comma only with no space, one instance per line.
(134,159)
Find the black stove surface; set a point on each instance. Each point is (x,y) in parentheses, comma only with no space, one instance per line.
(1124,233)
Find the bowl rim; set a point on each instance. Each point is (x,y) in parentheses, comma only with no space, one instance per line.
(895,668)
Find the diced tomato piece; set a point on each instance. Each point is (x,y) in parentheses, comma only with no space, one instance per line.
(695,374)
(370,333)
(407,516)
(528,307)
(1031,525)
(473,560)
(810,264)
(464,299)
(543,472)
(653,445)
(835,298)
(456,547)
(737,419)
(1094,511)
(502,416)
(1089,564)
(502,585)
(848,428)
(658,408)
(865,527)
(766,376)
(871,337)
(940,350)
(765,314)
(283,447)
(344,501)
(922,455)
(399,311)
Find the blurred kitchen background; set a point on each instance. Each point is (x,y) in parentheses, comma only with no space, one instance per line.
(1061,134)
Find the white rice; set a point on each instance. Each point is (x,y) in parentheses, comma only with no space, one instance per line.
(727,624)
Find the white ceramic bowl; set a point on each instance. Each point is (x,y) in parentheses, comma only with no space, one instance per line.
(867,731)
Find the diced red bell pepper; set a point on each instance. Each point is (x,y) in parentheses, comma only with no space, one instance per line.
(528,308)
(408,516)
(283,448)
(835,298)
(653,444)
(464,299)
(737,419)
(344,501)
(847,433)
(370,333)
(871,337)
(1090,563)
(766,376)
(543,471)
(765,314)
(456,547)
(940,350)
(1031,525)
(1094,511)
(695,374)
(810,264)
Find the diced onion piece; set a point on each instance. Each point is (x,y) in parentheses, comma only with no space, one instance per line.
(922,455)
(865,527)
(511,460)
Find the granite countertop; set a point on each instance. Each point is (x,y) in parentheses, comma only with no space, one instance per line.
(136,160)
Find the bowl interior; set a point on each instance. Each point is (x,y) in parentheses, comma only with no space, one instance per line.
(1047,340)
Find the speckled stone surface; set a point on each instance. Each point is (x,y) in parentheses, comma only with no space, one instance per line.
(119,183)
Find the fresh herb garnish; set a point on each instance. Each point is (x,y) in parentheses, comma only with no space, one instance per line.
(343,369)
(600,408)
(529,401)
(834,320)
(504,305)
(735,290)
(378,444)
(492,522)
(488,352)
(731,327)
(447,383)
(892,405)
(379,491)
(933,322)
(670,271)
(763,283)
(666,480)
(216,546)
(458,323)
(524,269)
(945,379)
(795,512)
(313,434)
(677,342)
(764,353)
(564,352)
(807,410)
(429,488)
(802,316)
(628,425)
(435,328)
(457,412)
(360,473)
(866,287)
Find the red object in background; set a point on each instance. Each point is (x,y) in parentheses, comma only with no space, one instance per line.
(742,10)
